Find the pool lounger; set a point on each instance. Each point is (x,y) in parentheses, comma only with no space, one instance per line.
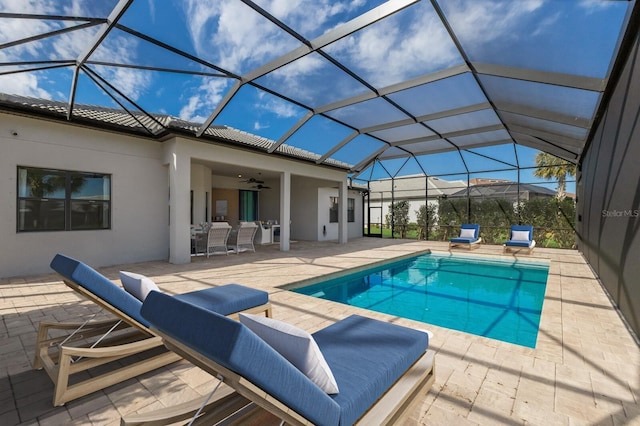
(80,346)
(469,237)
(521,238)
(380,368)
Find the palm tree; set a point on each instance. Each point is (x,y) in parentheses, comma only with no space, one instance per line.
(551,167)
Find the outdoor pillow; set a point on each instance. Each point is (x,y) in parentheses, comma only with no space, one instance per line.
(137,285)
(297,346)
(519,235)
(467,233)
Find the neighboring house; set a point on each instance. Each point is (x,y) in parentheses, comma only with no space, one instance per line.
(110,190)
(505,190)
(412,188)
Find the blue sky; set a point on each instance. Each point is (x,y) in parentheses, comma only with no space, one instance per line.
(560,36)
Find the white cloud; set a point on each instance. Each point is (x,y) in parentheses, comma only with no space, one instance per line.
(134,83)
(22,84)
(207,96)
(398,48)
(66,46)
(257,126)
(482,22)
(280,108)
(594,6)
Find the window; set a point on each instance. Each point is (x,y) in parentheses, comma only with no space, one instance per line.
(333,209)
(351,209)
(59,200)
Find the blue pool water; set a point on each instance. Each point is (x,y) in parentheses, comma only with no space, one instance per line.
(499,299)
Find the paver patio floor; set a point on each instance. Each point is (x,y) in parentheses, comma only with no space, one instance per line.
(585,369)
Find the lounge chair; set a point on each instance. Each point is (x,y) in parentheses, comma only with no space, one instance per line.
(380,368)
(520,237)
(469,236)
(78,347)
(246,233)
(217,238)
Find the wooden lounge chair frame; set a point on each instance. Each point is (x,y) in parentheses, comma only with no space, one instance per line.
(391,408)
(468,246)
(61,360)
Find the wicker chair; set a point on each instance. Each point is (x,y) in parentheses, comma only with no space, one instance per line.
(217,238)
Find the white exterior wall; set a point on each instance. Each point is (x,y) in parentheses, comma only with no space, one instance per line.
(304,208)
(141,229)
(354,229)
(139,196)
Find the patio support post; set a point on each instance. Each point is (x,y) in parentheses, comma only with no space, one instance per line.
(342,212)
(426,207)
(468,199)
(179,204)
(285,210)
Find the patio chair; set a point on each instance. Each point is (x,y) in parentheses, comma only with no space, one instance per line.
(246,233)
(380,368)
(520,237)
(469,236)
(80,346)
(217,238)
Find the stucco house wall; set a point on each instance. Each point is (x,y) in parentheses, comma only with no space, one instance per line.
(328,231)
(141,199)
(139,204)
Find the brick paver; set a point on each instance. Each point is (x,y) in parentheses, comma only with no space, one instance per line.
(584,370)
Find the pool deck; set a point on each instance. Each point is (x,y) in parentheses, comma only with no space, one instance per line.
(585,369)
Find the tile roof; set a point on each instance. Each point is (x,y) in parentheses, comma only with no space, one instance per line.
(154,125)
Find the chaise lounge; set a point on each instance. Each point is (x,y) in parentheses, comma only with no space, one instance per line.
(520,237)
(78,347)
(469,237)
(379,368)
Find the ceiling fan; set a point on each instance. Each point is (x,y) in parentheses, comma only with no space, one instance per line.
(252,180)
(261,186)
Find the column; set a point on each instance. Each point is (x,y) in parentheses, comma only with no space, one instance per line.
(343,224)
(179,204)
(285,210)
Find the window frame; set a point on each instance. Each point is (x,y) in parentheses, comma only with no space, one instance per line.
(334,206)
(67,198)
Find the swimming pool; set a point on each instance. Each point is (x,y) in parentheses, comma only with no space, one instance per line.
(495,298)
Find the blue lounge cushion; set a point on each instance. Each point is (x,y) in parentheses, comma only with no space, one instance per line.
(366,356)
(235,347)
(516,234)
(518,243)
(96,283)
(463,240)
(226,299)
(469,233)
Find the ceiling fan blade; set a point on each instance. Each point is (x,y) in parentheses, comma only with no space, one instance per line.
(252,180)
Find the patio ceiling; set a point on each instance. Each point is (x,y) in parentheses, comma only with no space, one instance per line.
(406,85)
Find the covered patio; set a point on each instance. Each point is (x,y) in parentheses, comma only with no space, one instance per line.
(585,368)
